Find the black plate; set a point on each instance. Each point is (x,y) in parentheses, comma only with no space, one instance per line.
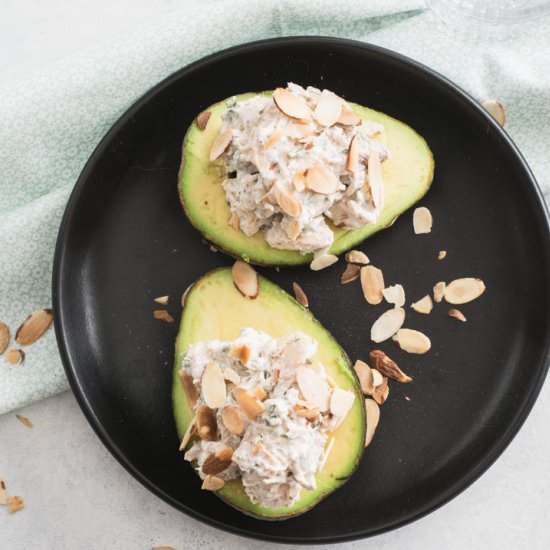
(125,240)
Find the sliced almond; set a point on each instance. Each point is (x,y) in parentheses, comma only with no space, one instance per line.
(309,414)
(462,291)
(395,295)
(374,182)
(260,393)
(357,257)
(387,324)
(274,138)
(249,403)
(24,420)
(220,145)
(234,221)
(372,284)
(299,180)
(321,179)
(322,262)
(348,117)
(33,327)
(422,220)
(299,131)
(288,200)
(15,356)
(241,352)
(442,254)
(313,387)
(412,341)
(301,296)
(439,291)
(212,483)
(191,429)
(381,391)
(326,454)
(377,378)
(163,300)
(15,503)
(3,492)
(341,402)
(388,367)
(372,411)
(202,119)
(291,105)
(245,279)
(213,385)
(294,228)
(217,462)
(365,376)
(189,388)
(424,305)
(328,109)
(352,159)
(230,375)
(233,420)
(207,427)
(456,314)
(4,337)
(163,315)
(496,109)
(351,273)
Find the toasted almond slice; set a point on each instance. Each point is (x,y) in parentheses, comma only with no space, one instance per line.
(388,367)
(304,404)
(387,324)
(357,257)
(202,119)
(456,314)
(245,279)
(15,503)
(191,429)
(4,337)
(299,131)
(288,200)
(348,117)
(381,391)
(294,228)
(352,159)
(232,376)
(260,393)
(163,315)
(212,483)
(326,454)
(234,221)
(205,420)
(163,300)
(442,254)
(249,403)
(189,388)
(291,105)
(496,109)
(321,179)
(3,492)
(365,375)
(439,291)
(241,352)
(412,341)
(299,180)
(15,356)
(351,273)
(341,402)
(221,143)
(374,179)
(313,387)
(217,462)
(424,305)
(309,414)
(422,220)
(213,385)
(395,295)
(372,284)
(274,138)
(301,296)
(33,327)
(321,262)
(328,109)
(233,420)
(462,291)
(24,420)
(372,411)
(377,378)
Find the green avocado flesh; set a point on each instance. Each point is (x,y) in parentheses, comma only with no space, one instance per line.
(407,176)
(215,309)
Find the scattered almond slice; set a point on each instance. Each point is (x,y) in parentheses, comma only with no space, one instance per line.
(456,314)
(462,291)
(234,221)
(301,296)
(294,228)
(326,454)
(328,109)
(15,503)
(388,367)
(33,327)
(202,119)
(189,388)
(3,492)
(341,402)
(377,378)
(412,341)
(212,483)
(387,324)
(233,420)
(4,337)
(217,462)
(188,433)
(321,179)
(365,376)
(424,305)
(372,411)
(395,295)
(309,414)
(291,105)
(213,385)
(245,279)
(374,179)
(15,356)
(442,254)
(496,109)
(357,257)
(241,352)
(207,427)
(322,262)
(24,420)
(163,300)
(372,284)
(350,274)
(249,403)
(230,375)
(221,143)
(439,291)
(287,200)
(274,138)
(381,391)
(313,387)
(299,180)
(422,220)
(163,315)
(352,159)
(348,117)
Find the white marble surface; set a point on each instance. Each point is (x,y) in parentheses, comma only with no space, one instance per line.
(77,495)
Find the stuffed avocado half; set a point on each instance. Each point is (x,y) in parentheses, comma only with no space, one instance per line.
(215,311)
(403,158)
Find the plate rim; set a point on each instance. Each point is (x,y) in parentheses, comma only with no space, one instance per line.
(69,365)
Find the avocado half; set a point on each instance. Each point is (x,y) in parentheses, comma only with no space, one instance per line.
(407,175)
(215,309)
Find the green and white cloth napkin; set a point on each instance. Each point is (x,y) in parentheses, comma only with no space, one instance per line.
(50,124)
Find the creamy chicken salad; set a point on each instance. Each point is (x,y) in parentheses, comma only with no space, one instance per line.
(264,412)
(296,158)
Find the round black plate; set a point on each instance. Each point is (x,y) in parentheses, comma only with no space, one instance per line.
(124,240)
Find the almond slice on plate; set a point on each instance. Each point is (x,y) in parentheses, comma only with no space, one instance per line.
(212,483)
(205,420)
(220,145)
(496,109)
(15,356)
(291,105)
(241,352)
(365,376)
(372,411)
(245,279)
(388,367)
(352,159)
(412,341)
(456,314)
(357,257)
(4,337)
(249,403)
(313,387)
(162,300)
(288,200)
(422,220)
(377,378)
(382,391)
(424,305)
(231,376)
(341,402)
(24,420)
(301,296)
(374,182)
(233,420)
(441,255)
(462,291)
(217,462)
(33,327)
(323,261)
(351,273)
(395,295)
(163,315)
(321,179)
(372,284)
(213,385)
(189,388)
(439,291)
(328,109)
(387,324)
(15,503)
(202,119)
(188,433)
(348,117)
